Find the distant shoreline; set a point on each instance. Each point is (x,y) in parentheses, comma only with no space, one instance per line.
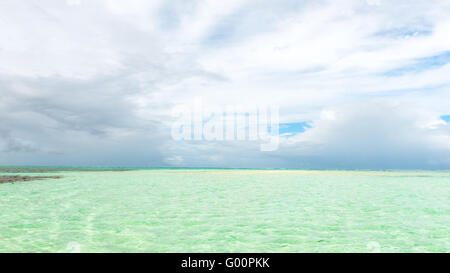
(46,169)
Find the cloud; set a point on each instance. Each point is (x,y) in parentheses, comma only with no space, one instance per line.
(94,82)
(373,134)
(11,144)
(368,134)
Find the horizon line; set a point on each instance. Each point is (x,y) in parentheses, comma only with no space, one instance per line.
(223,168)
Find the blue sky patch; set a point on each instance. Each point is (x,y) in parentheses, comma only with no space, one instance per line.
(223,31)
(403,32)
(293,128)
(446,118)
(421,64)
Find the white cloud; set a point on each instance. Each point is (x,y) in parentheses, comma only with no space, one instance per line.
(376,134)
(380,133)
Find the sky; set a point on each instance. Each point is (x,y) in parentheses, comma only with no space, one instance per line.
(360,84)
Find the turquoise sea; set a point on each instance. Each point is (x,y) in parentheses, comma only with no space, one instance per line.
(216,210)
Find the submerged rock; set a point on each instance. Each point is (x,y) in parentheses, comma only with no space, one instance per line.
(19,178)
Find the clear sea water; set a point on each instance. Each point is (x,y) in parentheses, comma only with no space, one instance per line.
(195,210)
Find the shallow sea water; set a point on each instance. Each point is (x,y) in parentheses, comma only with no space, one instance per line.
(194,210)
